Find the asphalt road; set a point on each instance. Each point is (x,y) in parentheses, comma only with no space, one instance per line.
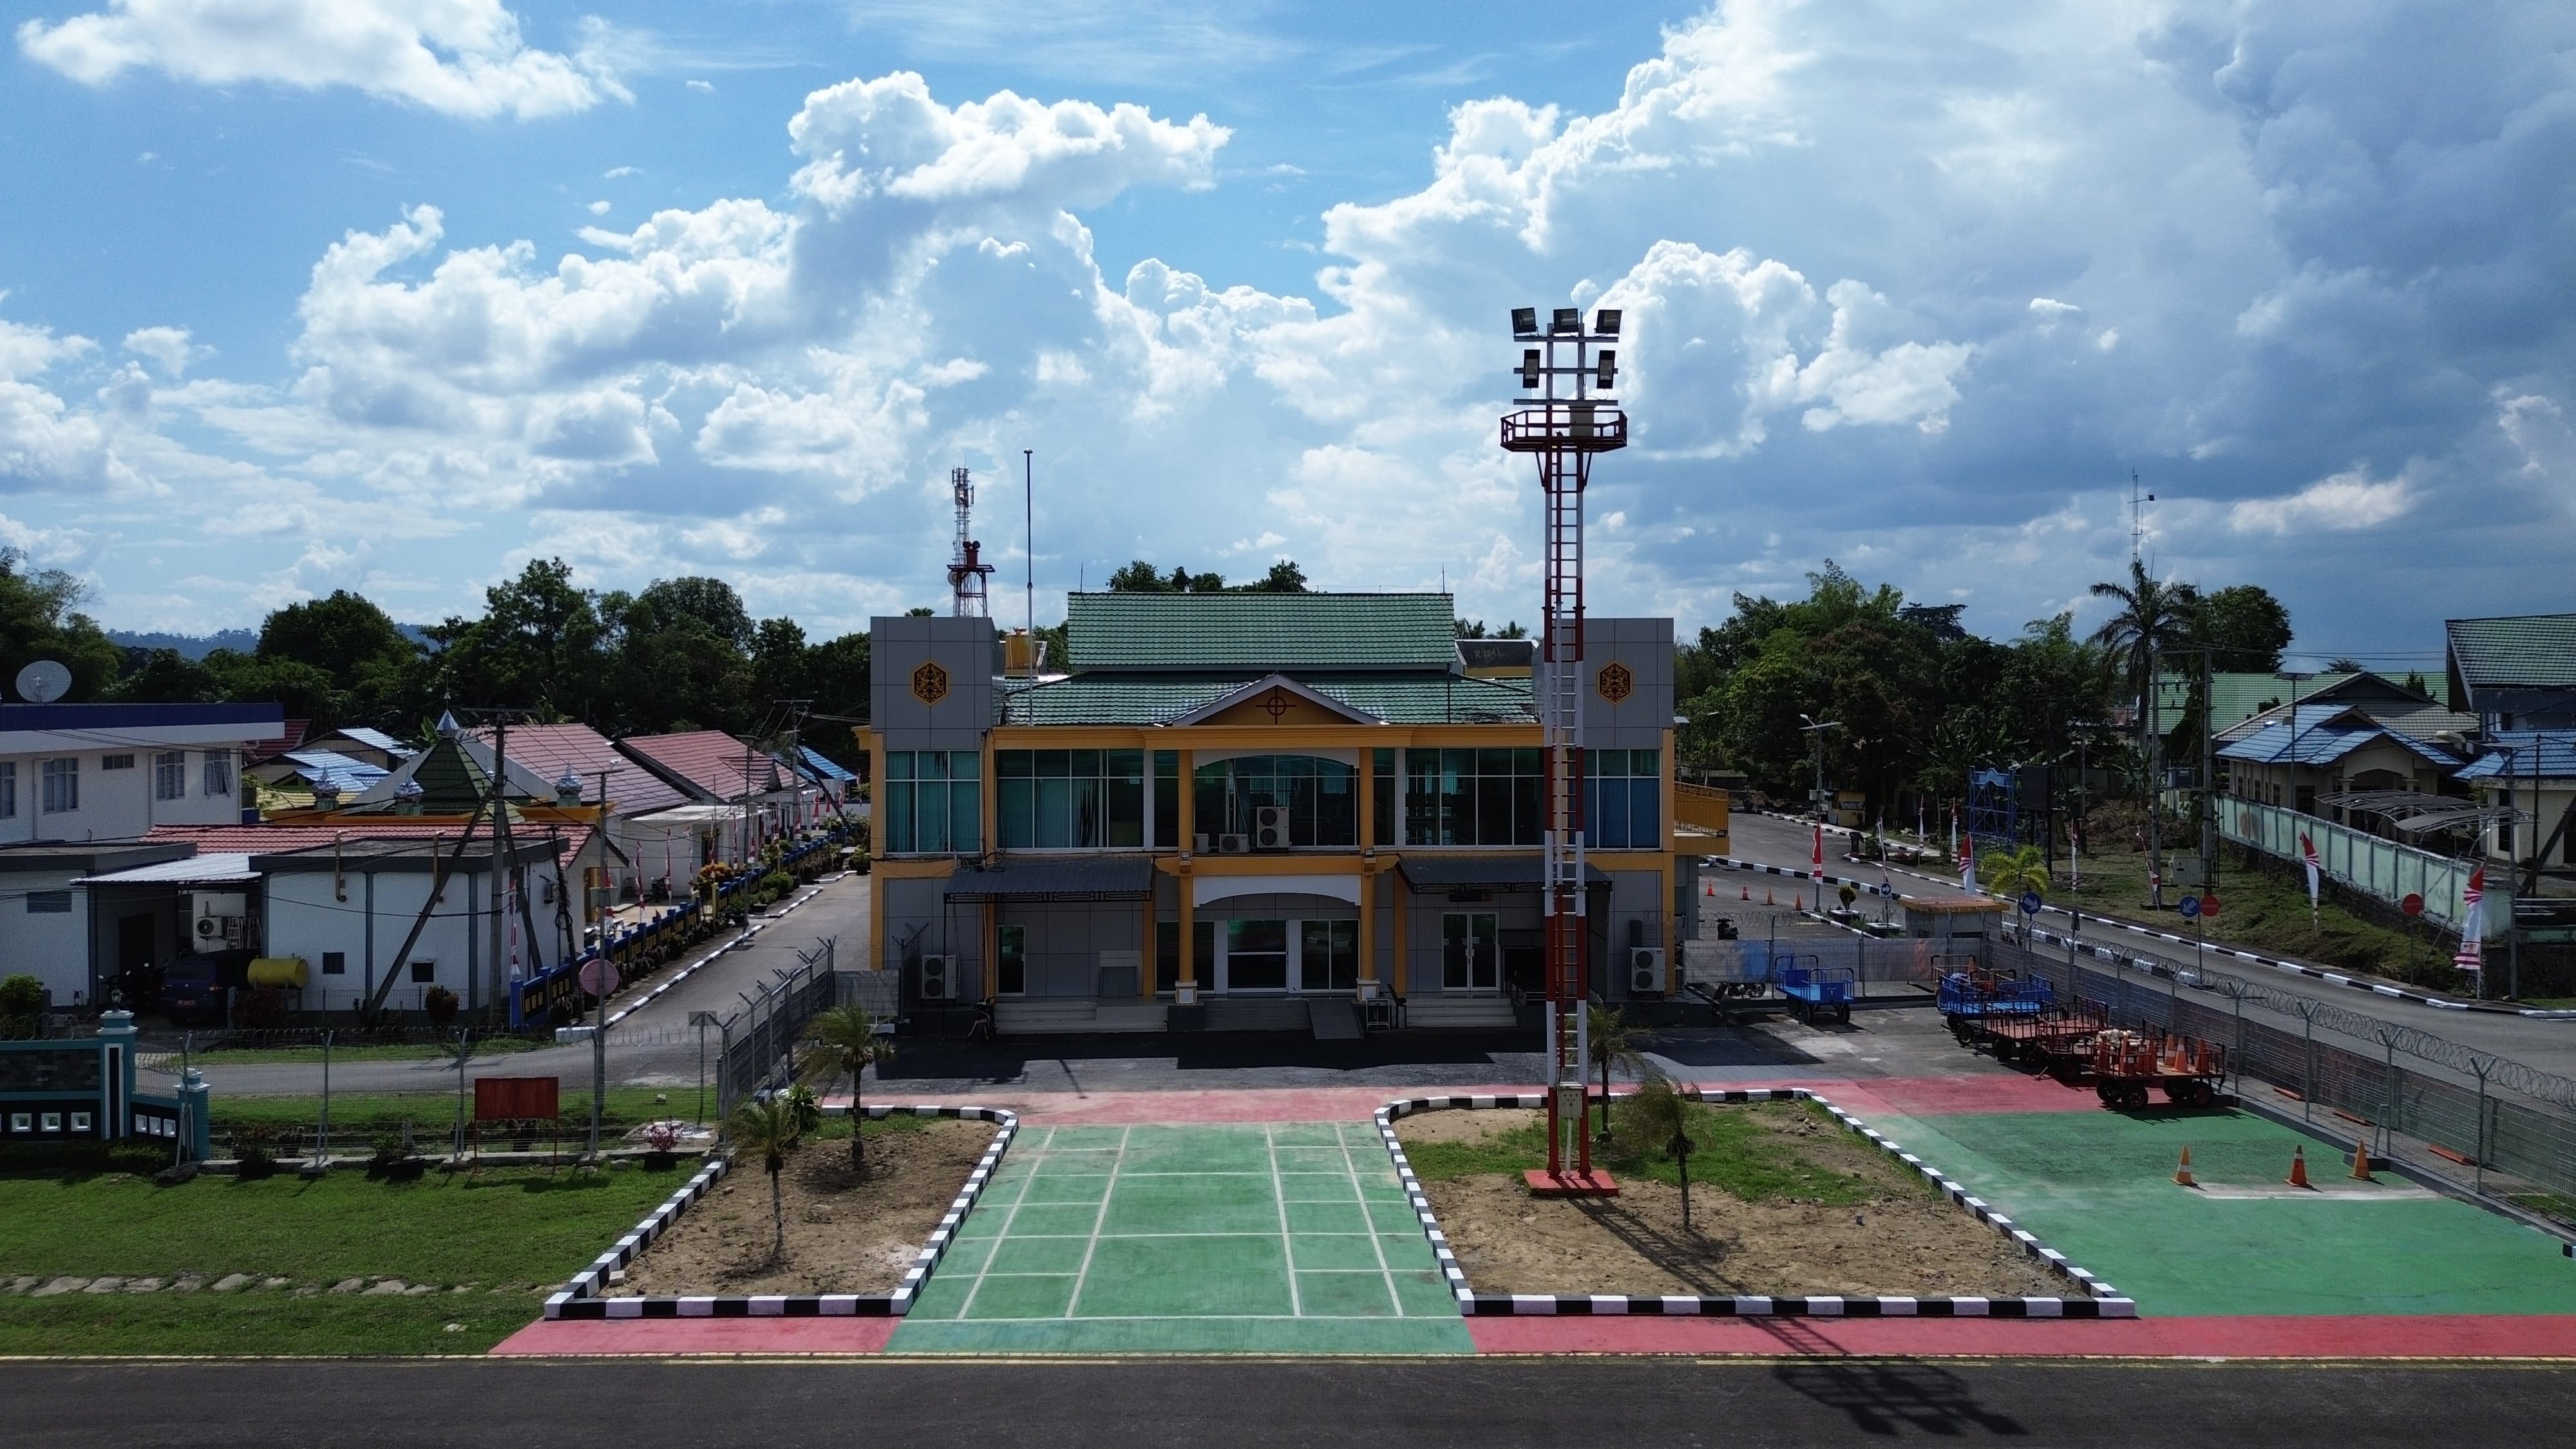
(1490,1404)
(2548,1045)
(654,1047)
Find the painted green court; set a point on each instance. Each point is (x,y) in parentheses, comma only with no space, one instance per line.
(2098,1187)
(1285,1237)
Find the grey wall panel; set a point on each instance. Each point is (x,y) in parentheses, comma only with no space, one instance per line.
(964,649)
(1645,648)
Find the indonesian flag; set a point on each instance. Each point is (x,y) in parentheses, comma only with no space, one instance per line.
(1968,864)
(2472,953)
(1816,866)
(2308,848)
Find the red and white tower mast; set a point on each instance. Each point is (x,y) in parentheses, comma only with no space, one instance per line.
(1565,418)
(967,571)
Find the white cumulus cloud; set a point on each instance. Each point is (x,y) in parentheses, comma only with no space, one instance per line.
(460,57)
(2342,503)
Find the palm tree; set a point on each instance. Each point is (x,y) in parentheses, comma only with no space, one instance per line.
(1659,1115)
(2153,616)
(848,1036)
(2014,873)
(769,1127)
(1614,1044)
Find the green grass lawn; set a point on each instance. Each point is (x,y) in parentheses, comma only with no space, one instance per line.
(510,1236)
(358,1118)
(1738,1149)
(497,1046)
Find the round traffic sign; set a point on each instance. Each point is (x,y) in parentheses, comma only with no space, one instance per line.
(2209,905)
(2030,903)
(2413,905)
(2190,907)
(598,976)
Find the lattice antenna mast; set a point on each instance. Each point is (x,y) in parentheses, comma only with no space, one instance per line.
(967,571)
(1564,417)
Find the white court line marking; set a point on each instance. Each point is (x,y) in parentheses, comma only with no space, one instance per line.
(1033,1156)
(1287,1239)
(1386,1274)
(1099,1220)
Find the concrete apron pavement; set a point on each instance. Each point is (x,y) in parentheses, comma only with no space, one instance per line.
(1233,1222)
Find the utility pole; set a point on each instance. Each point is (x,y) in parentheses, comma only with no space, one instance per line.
(2208,774)
(501,854)
(2155,782)
(1029,545)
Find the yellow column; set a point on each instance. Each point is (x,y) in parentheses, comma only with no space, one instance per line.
(1368,799)
(1189,980)
(1368,919)
(1402,957)
(992,948)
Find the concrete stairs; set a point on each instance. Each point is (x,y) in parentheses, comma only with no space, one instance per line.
(1457,1012)
(1073,1015)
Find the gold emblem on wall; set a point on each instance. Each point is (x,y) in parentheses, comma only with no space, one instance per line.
(930,684)
(1615,682)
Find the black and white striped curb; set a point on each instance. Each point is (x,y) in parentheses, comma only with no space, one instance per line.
(753,928)
(580,1298)
(2101,1300)
(2313,973)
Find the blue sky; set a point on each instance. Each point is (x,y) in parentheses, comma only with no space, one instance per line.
(307,294)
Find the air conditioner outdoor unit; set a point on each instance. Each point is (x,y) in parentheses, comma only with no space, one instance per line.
(1646,968)
(938,978)
(221,920)
(1199,843)
(1233,844)
(1270,828)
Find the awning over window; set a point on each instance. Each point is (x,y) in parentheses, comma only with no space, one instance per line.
(1484,872)
(1059,880)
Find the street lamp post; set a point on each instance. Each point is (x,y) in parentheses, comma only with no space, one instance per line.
(1816,728)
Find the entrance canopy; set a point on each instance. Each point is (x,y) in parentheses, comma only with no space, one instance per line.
(1055,880)
(1485,872)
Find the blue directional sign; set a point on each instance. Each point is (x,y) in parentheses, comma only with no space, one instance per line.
(2030,903)
(2190,908)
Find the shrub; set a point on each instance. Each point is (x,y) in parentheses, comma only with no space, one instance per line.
(807,1107)
(440,1005)
(22,1006)
(256,1149)
(778,882)
(260,1008)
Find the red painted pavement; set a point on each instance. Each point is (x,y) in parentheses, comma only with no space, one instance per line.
(1947,1096)
(582,1337)
(2448,1336)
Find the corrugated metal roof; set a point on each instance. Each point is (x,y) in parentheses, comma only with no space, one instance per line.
(2529,650)
(550,750)
(1261,632)
(821,767)
(2321,744)
(712,764)
(2551,754)
(378,739)
(326,767)
(226,868)
(1148,699)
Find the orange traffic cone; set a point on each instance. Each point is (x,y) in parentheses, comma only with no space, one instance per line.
(1712,890)
(2299,1167)
(2361,1162)
(2182,1174)
(1748,891)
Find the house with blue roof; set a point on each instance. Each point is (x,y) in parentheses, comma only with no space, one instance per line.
(2290,756)
(1250,811)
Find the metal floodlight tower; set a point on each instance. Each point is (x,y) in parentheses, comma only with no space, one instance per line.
(967,570)
(1564,418)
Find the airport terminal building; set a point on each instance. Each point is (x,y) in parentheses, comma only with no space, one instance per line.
(1250,806)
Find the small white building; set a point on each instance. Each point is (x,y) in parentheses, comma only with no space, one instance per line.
(71,936)
(346,910)
(100,772)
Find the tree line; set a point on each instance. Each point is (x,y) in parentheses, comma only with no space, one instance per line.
(678,654)
(1915,701)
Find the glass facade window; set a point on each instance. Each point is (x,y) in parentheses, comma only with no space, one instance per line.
(1167,799)
(116,762)
(1623,797)
(1256,955)
(1069,799)
(219,772)
(170,775)
(1321,796)
(8,789)
(61,785)
(1471,954)
(1328,955)
(934,802)
(1383,797)
(1473,797)
(1011,961)
(1167,953)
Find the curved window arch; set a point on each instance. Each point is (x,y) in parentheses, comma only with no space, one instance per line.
(1321,796)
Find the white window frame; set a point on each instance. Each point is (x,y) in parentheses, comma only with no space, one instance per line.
(219,773)
(8,789)
(170,775)
(59,778)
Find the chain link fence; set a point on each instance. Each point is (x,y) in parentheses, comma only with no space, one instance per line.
(2484,1122)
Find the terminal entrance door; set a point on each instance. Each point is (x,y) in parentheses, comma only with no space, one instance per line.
(1470,951)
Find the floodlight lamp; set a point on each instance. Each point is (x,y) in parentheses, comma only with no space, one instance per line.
(1524,321)
(1609,368)
(1529,367)
(1605,322)
(1568,319)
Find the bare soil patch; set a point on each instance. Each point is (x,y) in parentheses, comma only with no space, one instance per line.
(847,1232)
(1887,1233)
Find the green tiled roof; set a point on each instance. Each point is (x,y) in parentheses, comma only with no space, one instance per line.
(1261,632)
(2531,651)
(2234,698)
(1414,697)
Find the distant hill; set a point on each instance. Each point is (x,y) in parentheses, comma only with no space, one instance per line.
(192,646)
(198,646)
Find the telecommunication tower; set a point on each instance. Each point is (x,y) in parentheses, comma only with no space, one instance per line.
(1565,417)
(967,570)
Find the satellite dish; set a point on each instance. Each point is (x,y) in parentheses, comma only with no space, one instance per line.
(43,682)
